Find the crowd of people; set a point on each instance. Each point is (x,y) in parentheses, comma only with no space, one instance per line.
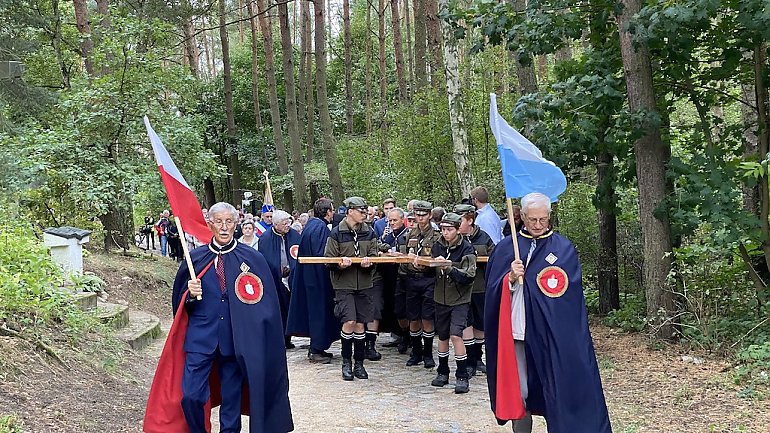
(437,287)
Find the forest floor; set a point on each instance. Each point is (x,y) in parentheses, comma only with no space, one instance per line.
(649,386)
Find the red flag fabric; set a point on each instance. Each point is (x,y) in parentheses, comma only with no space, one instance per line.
(509,404)
(181,197)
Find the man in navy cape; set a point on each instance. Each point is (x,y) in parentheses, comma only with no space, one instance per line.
(225,346)
(311,311)
(279,245)
(559,373)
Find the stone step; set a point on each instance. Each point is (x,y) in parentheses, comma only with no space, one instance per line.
(115,315)
(141,330)
(86,301)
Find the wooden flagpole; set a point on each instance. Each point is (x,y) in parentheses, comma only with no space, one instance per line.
(514,235)
(186,252)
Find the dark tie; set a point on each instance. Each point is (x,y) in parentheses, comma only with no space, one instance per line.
(221,273)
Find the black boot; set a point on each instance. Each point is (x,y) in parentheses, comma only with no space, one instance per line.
(440,380)
(427,349)
(371,350)
(461,387)
(287,342)
(442,376)
(347,369)
(416,356)
(403,345)
(359,371)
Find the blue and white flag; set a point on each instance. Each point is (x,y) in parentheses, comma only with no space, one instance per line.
(524,168)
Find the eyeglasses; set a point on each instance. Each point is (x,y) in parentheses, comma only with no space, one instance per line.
(223,223)
(542,221)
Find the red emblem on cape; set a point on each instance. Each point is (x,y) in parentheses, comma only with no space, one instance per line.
(294,251)
(552,281)
(249,288)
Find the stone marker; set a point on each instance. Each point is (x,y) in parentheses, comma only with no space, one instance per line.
(66,244)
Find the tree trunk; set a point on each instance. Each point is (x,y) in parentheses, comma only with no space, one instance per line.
(210,196)
(103,8)
(56,41)
(456,110)
(190,46)
(272,89)
(348,67)
(309,99)
(209,52)
(652,155)
(525,71)
(410,57)
(240,22)
(420,41)
(302,102)
(763,121)
(434,43)
(397,50)
(368,78)
(254,65)
(335,180)
(750,145)
(383,129)
(609,293)
(234,163)
(298,166)
(84,27)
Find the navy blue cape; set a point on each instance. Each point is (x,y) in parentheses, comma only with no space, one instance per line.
(311,310)
(257,337)
(270,247)
(562,373)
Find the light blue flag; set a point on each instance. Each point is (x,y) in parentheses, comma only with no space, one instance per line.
(524,168)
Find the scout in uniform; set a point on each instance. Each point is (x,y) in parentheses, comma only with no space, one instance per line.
(473,336)
(352,283)
(452,294)
(418,283)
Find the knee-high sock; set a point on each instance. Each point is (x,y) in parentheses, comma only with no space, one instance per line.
(427,343)
(347,345)
(359,342)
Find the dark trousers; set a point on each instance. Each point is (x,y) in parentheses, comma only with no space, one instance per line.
(196,392)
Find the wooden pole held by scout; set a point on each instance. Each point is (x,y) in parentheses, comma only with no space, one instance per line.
(186,252)
(514,236)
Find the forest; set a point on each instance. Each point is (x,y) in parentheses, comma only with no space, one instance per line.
(657,112)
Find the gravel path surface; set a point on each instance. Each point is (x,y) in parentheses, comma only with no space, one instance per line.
(395,398)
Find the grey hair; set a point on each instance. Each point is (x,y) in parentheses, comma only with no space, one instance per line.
(222,207)
(533,200)
(400,211)
(280,215)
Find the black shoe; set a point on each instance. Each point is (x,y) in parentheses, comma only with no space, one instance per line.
(403,346)
(414,359)
(480,366)
(371,352)
(461,387)
(440,380)
(429,362)
(347,370)
(326,354)
(317,358)
(393,343)
(359,371)
(287,342)
(471,371)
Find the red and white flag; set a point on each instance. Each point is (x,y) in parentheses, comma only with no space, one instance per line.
(182,199)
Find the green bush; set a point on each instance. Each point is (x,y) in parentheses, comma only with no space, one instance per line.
(9,424)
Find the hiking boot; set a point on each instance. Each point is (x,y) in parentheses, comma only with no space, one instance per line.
(318,358)
(371,352)
(429,362)
(359,371)
(347,370)
(461,387)
(414,359)
(440,380)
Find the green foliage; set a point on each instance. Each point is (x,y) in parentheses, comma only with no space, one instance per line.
(631,317)
(10,424)
(755,366)
(87,282)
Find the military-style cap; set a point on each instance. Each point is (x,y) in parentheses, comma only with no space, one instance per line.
(410,215)
(355,203)
(462,209)
(451,218)
(422,207)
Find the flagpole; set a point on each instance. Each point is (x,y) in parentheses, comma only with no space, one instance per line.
(187,251)
(514,236)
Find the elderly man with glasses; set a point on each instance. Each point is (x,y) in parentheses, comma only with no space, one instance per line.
(227,317)
(540,356)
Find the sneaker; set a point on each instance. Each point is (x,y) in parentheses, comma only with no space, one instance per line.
(429,362)
(440,380)
(461,387)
